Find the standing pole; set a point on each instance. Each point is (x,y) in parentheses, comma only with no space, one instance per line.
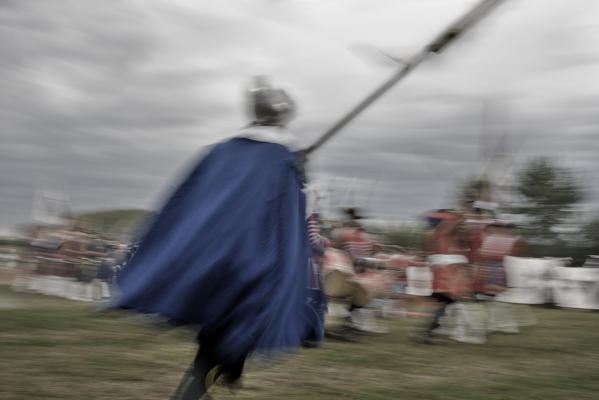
(436,46)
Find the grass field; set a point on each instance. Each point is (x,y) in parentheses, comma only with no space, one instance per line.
(58,349)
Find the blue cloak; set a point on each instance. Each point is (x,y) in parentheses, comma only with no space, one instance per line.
(229,252)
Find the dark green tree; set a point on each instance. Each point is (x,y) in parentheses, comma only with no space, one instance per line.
(549,193)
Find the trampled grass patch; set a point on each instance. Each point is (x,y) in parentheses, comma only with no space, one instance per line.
(57,349)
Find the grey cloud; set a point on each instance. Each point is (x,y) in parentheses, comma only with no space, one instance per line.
(112,103)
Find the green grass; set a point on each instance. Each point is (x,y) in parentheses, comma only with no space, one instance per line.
(57,349)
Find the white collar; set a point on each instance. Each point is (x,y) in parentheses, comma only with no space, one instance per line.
(270,134)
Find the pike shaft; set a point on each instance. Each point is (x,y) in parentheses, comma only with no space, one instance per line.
(436,46)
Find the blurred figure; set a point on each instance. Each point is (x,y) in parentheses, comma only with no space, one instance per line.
(449,267)
(466,257)
(318,245)
(109,269)
(317,298)
(228,252)
(354,239)
(359,247)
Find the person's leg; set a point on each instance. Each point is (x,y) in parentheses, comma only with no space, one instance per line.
(437,317)
(231,373)
(444,301)
(193,384)
(185,381)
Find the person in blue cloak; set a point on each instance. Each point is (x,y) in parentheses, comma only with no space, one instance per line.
(229,253)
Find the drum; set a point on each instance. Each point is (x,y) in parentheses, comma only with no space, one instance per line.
(370,285)
(496,246)
(337,271)
(341,281)
(490,276)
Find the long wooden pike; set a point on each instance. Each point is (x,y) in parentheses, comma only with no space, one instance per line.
(441,42)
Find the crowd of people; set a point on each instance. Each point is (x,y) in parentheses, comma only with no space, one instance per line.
(70,253)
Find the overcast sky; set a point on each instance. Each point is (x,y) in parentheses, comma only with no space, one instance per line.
(107,102)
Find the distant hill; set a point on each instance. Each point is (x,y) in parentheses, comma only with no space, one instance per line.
(114,224)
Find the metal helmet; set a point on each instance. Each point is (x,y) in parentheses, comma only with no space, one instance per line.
(268,105)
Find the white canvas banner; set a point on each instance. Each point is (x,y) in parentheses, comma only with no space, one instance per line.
(527,279)
(576,287)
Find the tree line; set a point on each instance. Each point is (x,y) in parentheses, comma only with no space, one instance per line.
(544,200)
